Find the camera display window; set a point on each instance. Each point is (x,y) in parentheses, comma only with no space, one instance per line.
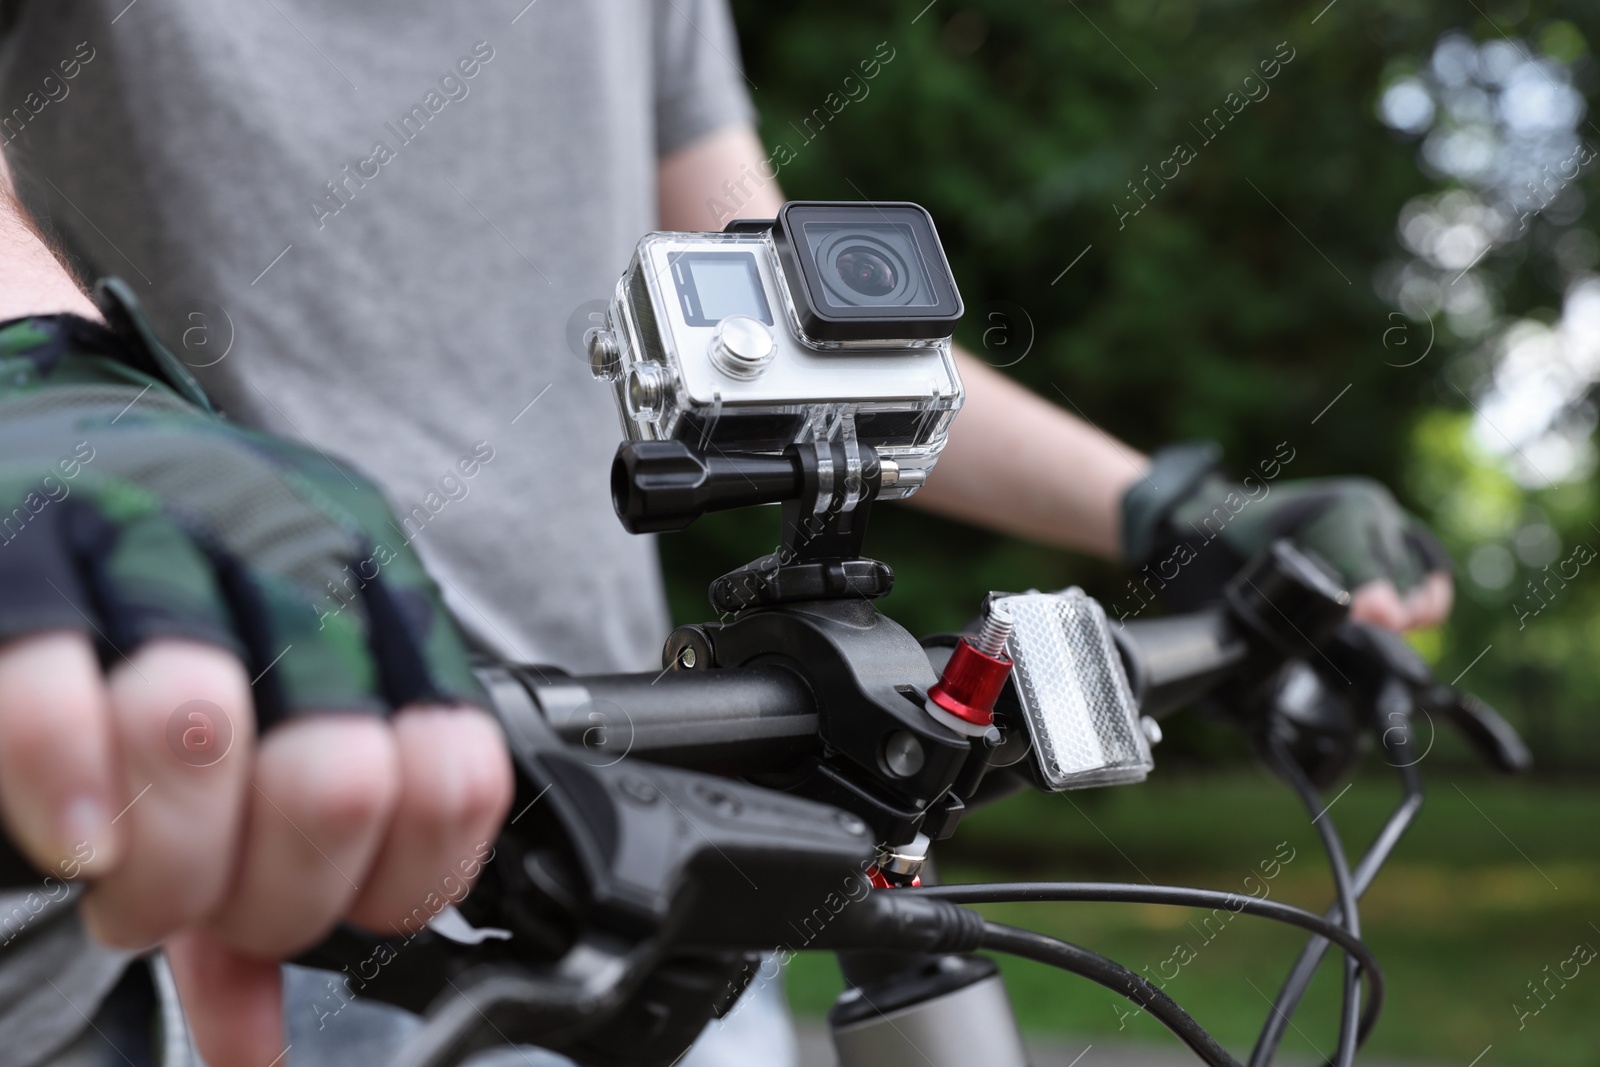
(713,285)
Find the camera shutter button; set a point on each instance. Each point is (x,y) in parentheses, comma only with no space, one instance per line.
(742,347)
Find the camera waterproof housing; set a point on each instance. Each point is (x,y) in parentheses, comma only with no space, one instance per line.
(828,325)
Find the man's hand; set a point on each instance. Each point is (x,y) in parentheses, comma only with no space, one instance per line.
(1189,529)
(174,586)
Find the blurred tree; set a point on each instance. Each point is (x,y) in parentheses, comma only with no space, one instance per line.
(1175,218)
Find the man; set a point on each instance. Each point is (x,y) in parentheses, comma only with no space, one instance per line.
(368,228)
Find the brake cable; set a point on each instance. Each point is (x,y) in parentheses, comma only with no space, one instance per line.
(1299,977)
(1326,930)
(1114,976)
(1177,896)
(1286,768)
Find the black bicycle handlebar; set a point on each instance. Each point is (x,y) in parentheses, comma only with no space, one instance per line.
(737,720)
(1171,661)
(763,719)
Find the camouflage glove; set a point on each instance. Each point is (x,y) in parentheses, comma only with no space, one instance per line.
(129,510)
(1188,529)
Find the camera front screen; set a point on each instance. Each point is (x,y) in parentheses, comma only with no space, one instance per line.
(866,272)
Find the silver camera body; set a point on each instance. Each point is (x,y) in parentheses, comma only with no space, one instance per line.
(830,324)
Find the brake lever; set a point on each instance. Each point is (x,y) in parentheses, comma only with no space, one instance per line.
(492,1006)
(1490,735)
(1496,740)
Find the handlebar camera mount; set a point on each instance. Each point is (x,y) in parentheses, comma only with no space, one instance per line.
(825,489)
(803,361)
(808,606)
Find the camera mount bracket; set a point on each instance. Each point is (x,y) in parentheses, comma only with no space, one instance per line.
(819,557)
(825,486)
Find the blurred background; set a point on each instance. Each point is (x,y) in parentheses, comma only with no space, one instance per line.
(1380,249)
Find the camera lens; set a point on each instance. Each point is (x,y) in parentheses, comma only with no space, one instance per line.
(866,271)
(865,265)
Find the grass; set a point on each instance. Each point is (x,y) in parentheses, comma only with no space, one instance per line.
(1495,882)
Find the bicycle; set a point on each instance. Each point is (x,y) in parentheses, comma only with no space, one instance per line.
(791,765)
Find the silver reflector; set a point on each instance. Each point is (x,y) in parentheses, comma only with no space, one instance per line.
(1075,698)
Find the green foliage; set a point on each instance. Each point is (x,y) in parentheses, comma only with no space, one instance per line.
(1237,304)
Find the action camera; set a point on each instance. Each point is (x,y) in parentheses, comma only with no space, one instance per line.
(831,322)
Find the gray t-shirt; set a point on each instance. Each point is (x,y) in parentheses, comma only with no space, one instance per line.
(377,227)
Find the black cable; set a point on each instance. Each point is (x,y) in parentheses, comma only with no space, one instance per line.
(1299,979)
(1349,1013)
(1091,965)
(1177,896)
